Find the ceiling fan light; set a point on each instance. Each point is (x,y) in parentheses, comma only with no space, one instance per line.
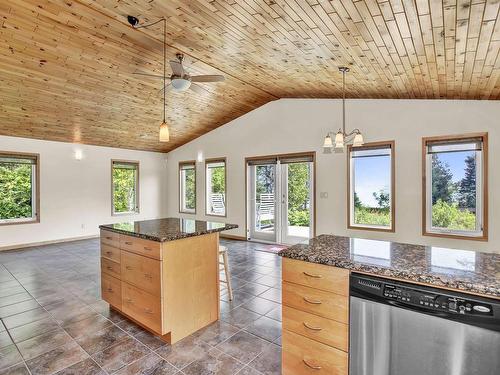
(328,142)
(339,140)
(180,84)
(358,140)
(164,132)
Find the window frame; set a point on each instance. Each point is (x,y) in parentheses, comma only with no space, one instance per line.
(137,187)
(181,190)
(35,195)
(426,211)
(350,213)
(213,161)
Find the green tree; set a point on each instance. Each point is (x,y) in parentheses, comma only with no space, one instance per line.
(298,194)
(190,189)
(467,186)
(383,198)
(218,180)
(357,201)
(124,189)
(442,185)
(15,191)
(449,216)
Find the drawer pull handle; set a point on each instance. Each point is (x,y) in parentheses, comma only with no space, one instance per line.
(147,248)
(148,276)
(109,268)
(128,268)
(312,301)
(312,275)
(109,238)
(128,243)
(148,311)
(129,300)
(314,367)
(109,252)
(110,290)
(311,327)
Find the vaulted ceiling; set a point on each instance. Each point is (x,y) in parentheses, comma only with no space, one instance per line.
(66,67)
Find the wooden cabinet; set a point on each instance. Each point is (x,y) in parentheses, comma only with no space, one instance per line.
(315,319)
(304,356)
(170,288)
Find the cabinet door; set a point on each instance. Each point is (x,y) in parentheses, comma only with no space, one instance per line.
(142,306)
(111,290)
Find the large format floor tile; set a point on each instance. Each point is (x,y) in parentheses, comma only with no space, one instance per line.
(53,321)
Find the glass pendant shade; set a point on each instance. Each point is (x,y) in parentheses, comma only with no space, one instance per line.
(180,84)
(328,142)
(164,132)
(358,140)
(339,140)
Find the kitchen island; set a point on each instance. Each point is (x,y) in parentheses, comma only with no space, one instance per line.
(317,290)
(163,274)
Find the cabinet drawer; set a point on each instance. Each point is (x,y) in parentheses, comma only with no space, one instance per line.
(142,306)
(110,238)
(110,267)
(325,304)
(304,356)
(111,253)
(139,246)
(111,289)
(317,276)
(315,327)
(142,272)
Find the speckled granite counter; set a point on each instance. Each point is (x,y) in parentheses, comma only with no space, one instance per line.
(167,229)
(464,270)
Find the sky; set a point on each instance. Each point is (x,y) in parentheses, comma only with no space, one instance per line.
(373,174)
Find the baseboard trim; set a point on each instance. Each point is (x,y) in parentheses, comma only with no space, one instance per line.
(42,243)
(232,237)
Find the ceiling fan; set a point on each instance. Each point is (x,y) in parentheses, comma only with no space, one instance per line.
(181,80)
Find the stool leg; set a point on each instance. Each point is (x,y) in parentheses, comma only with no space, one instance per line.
(228,276)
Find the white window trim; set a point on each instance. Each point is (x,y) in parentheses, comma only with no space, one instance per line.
(479,232)
(136,211)
(182,189)
(35,186)
(352,179)
(208,182)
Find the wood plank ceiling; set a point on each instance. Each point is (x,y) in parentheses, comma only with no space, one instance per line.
(66,66)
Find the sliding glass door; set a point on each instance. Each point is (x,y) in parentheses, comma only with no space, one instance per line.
(280,199)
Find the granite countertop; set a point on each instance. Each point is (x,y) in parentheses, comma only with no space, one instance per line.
(167,229)
(463,270)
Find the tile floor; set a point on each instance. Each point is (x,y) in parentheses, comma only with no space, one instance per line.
(53,320)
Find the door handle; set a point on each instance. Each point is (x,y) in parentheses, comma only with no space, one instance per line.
(311,327)
(312,301)
(312,275)
(314,367)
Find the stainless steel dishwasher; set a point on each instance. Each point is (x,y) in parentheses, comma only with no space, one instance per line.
(405,329)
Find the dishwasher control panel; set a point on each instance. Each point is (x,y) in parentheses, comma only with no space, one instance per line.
(435,302)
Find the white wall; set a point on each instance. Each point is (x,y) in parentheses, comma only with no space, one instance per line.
(295,125)
(75,196)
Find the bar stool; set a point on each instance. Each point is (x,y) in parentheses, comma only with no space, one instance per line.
(224,263)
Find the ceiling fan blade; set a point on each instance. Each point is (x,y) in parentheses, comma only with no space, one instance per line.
(197,88)
(167,87)
(208,78)
(149,75)
(177,68)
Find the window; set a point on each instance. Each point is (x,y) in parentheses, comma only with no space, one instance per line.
(371,187)
(19,188)
(125,186)
(215,174)
(187,187)
(455,186)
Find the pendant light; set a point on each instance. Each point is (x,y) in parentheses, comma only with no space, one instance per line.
(164,133)
(342,137)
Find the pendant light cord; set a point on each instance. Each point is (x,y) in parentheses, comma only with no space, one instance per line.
(343,101)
